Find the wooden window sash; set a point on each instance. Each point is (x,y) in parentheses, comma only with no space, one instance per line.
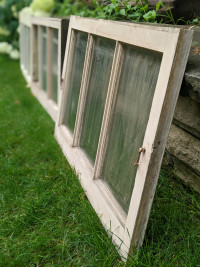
(46,97)
(174,44)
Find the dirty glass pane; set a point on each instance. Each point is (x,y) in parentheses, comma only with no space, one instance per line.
(136,88)
(55,65)
(25,47)
(96,94)
(44,58)
(35,55)
(80,43)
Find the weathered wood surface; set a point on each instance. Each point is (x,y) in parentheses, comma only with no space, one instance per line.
(175,52)
(161,136)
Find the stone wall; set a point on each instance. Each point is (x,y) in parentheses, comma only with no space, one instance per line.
(183,146)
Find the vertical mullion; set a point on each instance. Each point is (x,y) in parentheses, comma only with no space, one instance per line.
(83,90)
(49,37)
(109,105)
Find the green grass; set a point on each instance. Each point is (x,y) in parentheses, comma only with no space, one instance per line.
(45,217)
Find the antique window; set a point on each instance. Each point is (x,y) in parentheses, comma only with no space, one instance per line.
(121,83)
(48,38)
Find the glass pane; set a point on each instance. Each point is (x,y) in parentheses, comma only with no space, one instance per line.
(80,43)
(44,58)
(96,95)
(55,65)
(136,88)
(35,55)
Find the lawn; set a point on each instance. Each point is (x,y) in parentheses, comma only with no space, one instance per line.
(46,219)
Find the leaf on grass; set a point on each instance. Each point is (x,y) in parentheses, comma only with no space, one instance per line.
(136,15)
(158,6)
(151,15)
(122,12)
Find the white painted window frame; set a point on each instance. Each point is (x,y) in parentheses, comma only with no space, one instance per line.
(127,230)
(25,20)
(36,85)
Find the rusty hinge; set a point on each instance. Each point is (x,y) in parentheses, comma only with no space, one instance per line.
(142,149)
